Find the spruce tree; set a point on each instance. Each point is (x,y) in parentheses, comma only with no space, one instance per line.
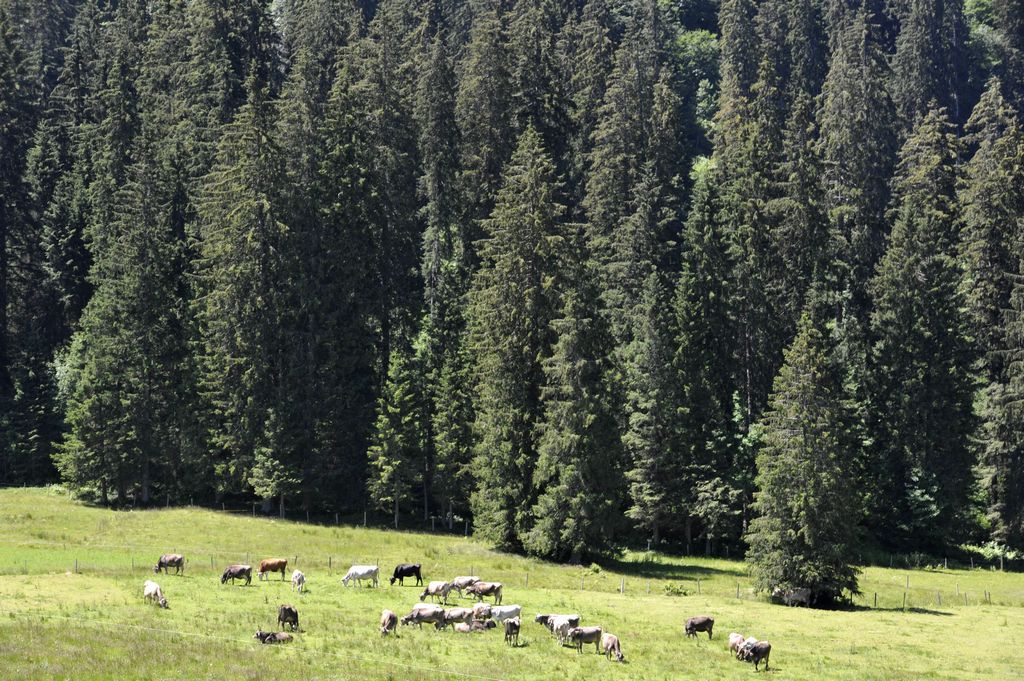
(511,307)
(804,532)
(920,384)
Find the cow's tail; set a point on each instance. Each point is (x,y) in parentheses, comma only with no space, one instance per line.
(497,593)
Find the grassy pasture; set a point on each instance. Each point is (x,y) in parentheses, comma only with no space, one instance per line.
(93,624)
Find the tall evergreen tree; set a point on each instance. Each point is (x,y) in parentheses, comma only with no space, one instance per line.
(804,535)
(921,387)
(511,306)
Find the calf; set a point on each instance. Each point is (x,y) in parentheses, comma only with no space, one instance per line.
(234,572)
(610,645)
(388,622)
(298,581)
(580,635)
(436,589)
(481,589)
(358,573)
(454,616)
(512,631)
(170,560)
(759,651)
(460,583)
(287,614)
(701,623)
(270,637)
(500,613)
(735,641)
(424,612)
(151,592)
(406,570)
(481,611)
(272,565)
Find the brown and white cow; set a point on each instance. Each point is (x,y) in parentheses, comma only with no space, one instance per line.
(610,645)
(388,622)
(170,560)
(699,623)
(287,614)
(234,572)
(268,565)
(580,635)
(481,589)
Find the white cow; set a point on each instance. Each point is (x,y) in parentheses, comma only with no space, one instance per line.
(460,583)
(298,581)
(500,613)
(151,592)
(561,624)
(360,572)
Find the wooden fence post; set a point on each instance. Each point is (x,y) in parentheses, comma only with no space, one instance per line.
(698,587)
(904,600)
(938,598)
(737,589)
(622,585)
(876,599)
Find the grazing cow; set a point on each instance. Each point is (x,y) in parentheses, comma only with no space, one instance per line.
(272,565)
(481,589)
(757,652)
(234,572)
(388,622)
(791,597)
(701,623)
(745,647)
(270,637)
(151,592)
(360,572)
(560,626)
(500,613)
(436,589)
(512,631)
(735,641)
(460,583)
(170,560)
(454,616)
(406,570)
(287,614)
(481,611)
(610,645)
(298,581)
(580,635)
(424,612)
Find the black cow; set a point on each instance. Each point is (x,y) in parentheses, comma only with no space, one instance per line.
(234,572)
(287,614)
(406,570)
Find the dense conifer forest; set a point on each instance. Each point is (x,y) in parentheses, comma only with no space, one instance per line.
(737,275)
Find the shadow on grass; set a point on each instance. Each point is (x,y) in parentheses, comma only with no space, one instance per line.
(915,611)
(652,570)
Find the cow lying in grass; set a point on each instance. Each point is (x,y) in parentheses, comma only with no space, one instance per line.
(475,625)
(268,565)
(151,592)
(170,560)
(270,637)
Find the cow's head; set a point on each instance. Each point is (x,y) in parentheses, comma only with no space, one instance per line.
(163,602)
(156,568)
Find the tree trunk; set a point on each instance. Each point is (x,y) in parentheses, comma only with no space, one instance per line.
(689,534)
(281,507)
(655,531)
(396,511)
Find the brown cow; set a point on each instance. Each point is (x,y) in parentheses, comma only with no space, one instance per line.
(170,560)
(437,589)
(388,622)
(580,635)
(454,616)
(272,565)
(481,589)
(287,614)
(700,623)
(757,652)
(481,611)
(512,631)
(234,572)
(270,637)
(610,645)
(424,612)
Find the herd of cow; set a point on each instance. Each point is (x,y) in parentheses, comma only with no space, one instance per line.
(481,617)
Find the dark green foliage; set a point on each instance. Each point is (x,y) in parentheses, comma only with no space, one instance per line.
(804,533)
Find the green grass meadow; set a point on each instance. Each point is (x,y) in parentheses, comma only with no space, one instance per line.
(56,623)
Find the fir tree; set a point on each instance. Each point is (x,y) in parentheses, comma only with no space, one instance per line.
(804,535)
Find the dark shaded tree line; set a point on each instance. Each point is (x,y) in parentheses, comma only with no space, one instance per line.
(737,271)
